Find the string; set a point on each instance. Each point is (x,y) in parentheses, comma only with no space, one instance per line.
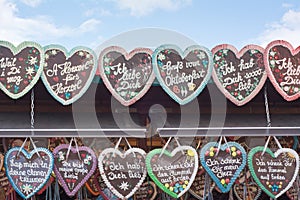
(225,140)
(32,112)
(164,148)
(178,144)
(22,146)
(219,145)
(266,145)
(34,147)
(69,148)
(129,146)
(277,142)
(267,117)
(77,149)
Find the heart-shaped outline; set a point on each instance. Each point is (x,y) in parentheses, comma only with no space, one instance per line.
(251,183)
(273,155)
(183,54)
(28,156)
(15,50)
(171,154)
(192,192)
(269,71)
(127,57)
(154,189)
(223,147)
(238,55)
(122,155)
(69,54)
(90,173)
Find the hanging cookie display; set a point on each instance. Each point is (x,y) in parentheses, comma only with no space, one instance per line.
(275,172)
(223,162)
(122,172)
(67,75)
(21,67)
(282,65)
(73,166)
(173,172)
(27,171)
(182,74)
(239,75)
(128,76)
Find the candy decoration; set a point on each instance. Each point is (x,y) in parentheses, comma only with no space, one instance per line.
(75,169)
(21,67)
(28,172)
(127,76)
(183,75)
(173,172)
(282,65)
(123,173)
(224,165)
(239,75)
(275,172)
(67,76)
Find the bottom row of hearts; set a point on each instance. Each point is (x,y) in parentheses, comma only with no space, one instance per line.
(173,172)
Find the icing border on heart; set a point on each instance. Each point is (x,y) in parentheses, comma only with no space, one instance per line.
(269,71)
(223,147)
(171,154)
(273,155)
(183,54)
(238,55)
(69,54)
(122,155)
(88,175)
(28,156)
(127,56)
(15,50)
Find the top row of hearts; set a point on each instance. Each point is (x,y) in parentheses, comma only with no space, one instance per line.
(239,75)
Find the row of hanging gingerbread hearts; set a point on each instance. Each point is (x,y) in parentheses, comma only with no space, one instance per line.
(183,75)
(124,173)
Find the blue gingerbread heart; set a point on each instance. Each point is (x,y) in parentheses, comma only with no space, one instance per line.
(224,165)
(28,172)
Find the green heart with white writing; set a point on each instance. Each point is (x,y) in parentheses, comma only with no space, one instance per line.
(273,172)
(173,172)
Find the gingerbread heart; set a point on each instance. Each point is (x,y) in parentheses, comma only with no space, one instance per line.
(21,67)
(283,68)
(67,75)
(146,191)
(127,76)
(28,172)
(75,169)
(224,165)
(239,75)
(123,173)
(173,172)
(183,75)
(276,172)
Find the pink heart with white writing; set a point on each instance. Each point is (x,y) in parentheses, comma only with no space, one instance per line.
(239,75)
(128,76)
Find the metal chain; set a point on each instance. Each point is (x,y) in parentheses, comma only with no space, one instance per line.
(32,109)
(267,107)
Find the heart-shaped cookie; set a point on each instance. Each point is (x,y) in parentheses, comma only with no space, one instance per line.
(273,172)
(198,186)
(28,172)
(21,67)
(239,75)
(183,75)
(224,165)
(127,76)
(75,169)
(283,67)
(173,172)
(146,191)
(123,173)
(253,191)
(67,75)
